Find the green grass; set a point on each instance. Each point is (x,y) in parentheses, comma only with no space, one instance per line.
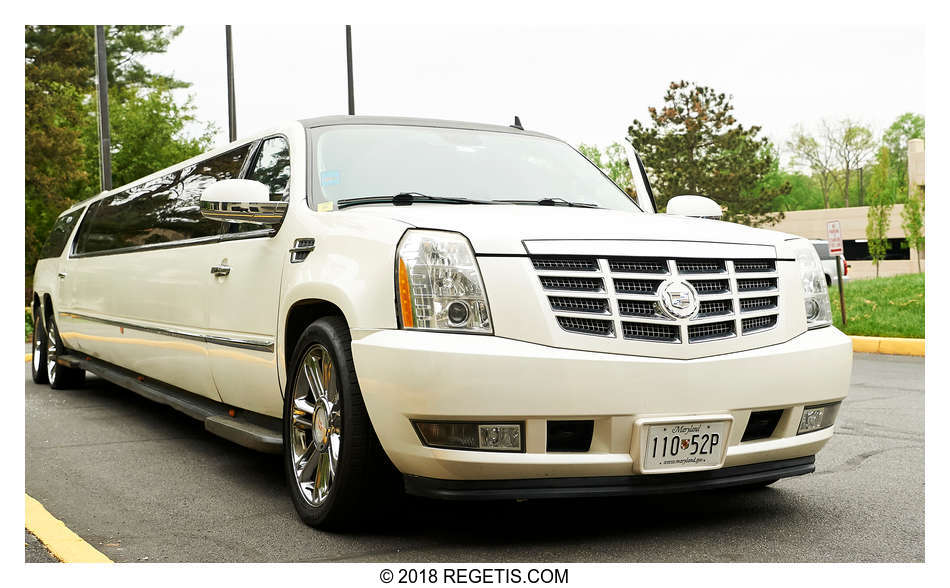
(882,307)
(29,326)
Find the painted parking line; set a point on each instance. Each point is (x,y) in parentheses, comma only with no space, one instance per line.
(65,545)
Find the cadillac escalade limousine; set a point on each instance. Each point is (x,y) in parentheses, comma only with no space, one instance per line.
(474,311)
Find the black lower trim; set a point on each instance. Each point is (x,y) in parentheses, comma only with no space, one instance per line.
(609,485)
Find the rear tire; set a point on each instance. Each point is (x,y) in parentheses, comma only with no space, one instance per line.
(38,361)
(332,458)
(60,377)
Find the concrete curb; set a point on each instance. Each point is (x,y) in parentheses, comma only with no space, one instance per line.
(888,345)
(63,543)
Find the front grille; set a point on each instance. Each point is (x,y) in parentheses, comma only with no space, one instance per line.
(756,284)
(565,264)
(701,266)
(574,284)
(711,286)
(651,332)
(618,297)
(758,323)
(637,307)
(707,331)
(714,307)
(638,265)
(753,304)
(636,286)
(747,266)
(587,326)
(596,305)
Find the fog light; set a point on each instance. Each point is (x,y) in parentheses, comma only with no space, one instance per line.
(480,436)
(816,418)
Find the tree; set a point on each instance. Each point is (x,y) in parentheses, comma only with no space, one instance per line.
(147,123)
(852,145)
(880,200)
(913,222)
(694,145)
(818,155)
(616,166)
(907,126)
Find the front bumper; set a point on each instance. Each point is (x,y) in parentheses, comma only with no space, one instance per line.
(407,375)
(610,486)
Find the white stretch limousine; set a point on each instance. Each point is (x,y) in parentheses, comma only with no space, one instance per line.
(477,307)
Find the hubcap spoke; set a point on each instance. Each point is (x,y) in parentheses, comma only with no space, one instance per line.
(307,464)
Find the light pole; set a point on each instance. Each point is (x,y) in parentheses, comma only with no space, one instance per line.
(102,107)
(232,111)
(349,70)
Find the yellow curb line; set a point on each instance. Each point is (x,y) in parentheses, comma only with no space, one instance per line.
(29,357)
(67,546)
(889,345)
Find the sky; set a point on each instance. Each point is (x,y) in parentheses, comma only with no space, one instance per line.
(582,84)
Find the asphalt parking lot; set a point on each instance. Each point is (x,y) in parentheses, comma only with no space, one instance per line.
(141,482)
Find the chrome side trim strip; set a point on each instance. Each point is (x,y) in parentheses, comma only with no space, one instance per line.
(252,344)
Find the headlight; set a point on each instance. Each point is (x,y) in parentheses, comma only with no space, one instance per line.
(817,305)
(438,284)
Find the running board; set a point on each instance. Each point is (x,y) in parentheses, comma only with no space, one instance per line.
(251,430)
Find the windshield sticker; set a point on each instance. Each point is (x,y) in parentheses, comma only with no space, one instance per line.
(330,178)
(324,206)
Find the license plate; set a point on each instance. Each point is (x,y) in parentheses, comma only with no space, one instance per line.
(684,446)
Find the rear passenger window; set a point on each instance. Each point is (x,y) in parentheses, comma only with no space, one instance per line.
(162,210)
(56,241)
(272,167)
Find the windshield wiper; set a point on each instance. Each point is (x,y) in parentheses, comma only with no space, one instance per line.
(407,198)
(555,201)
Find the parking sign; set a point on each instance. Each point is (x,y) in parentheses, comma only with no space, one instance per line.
(835,247)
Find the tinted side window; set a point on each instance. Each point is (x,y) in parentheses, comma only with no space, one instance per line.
(272,166)
(162,210)
(56,241)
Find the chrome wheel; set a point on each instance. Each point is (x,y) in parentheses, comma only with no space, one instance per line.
(316,425)
(51,351)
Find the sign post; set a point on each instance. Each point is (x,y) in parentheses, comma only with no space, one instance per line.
(836,248)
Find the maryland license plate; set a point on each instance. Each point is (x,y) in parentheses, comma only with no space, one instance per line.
(684,446)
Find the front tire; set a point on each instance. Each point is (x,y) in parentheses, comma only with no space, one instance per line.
(60,377)
(331,460)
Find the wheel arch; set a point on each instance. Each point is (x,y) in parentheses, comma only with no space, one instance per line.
(301,314)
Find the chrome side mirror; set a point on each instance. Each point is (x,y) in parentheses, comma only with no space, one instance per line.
(695,206)
(241,201)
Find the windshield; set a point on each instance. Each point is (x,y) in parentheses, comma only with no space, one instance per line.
(359,161)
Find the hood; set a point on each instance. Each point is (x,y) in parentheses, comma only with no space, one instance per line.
(501,229)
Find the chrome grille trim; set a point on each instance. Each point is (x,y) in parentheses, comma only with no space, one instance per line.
(638,265)
(759,323)
(756,304)
(572,304)
(714,307)
(565,263)
(586,326)
(701,266)
(651,332)
(619,296)
(754,266)
(572,284)
(710,331)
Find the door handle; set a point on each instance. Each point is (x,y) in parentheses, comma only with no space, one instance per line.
(220,270)
(61,275)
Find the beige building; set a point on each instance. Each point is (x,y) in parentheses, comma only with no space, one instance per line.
(854,220)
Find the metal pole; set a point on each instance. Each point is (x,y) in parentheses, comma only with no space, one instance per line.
(349,69)
(102,108)
(232,111)
(844,318)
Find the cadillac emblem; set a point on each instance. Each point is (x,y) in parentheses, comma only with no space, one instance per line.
(678,300)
